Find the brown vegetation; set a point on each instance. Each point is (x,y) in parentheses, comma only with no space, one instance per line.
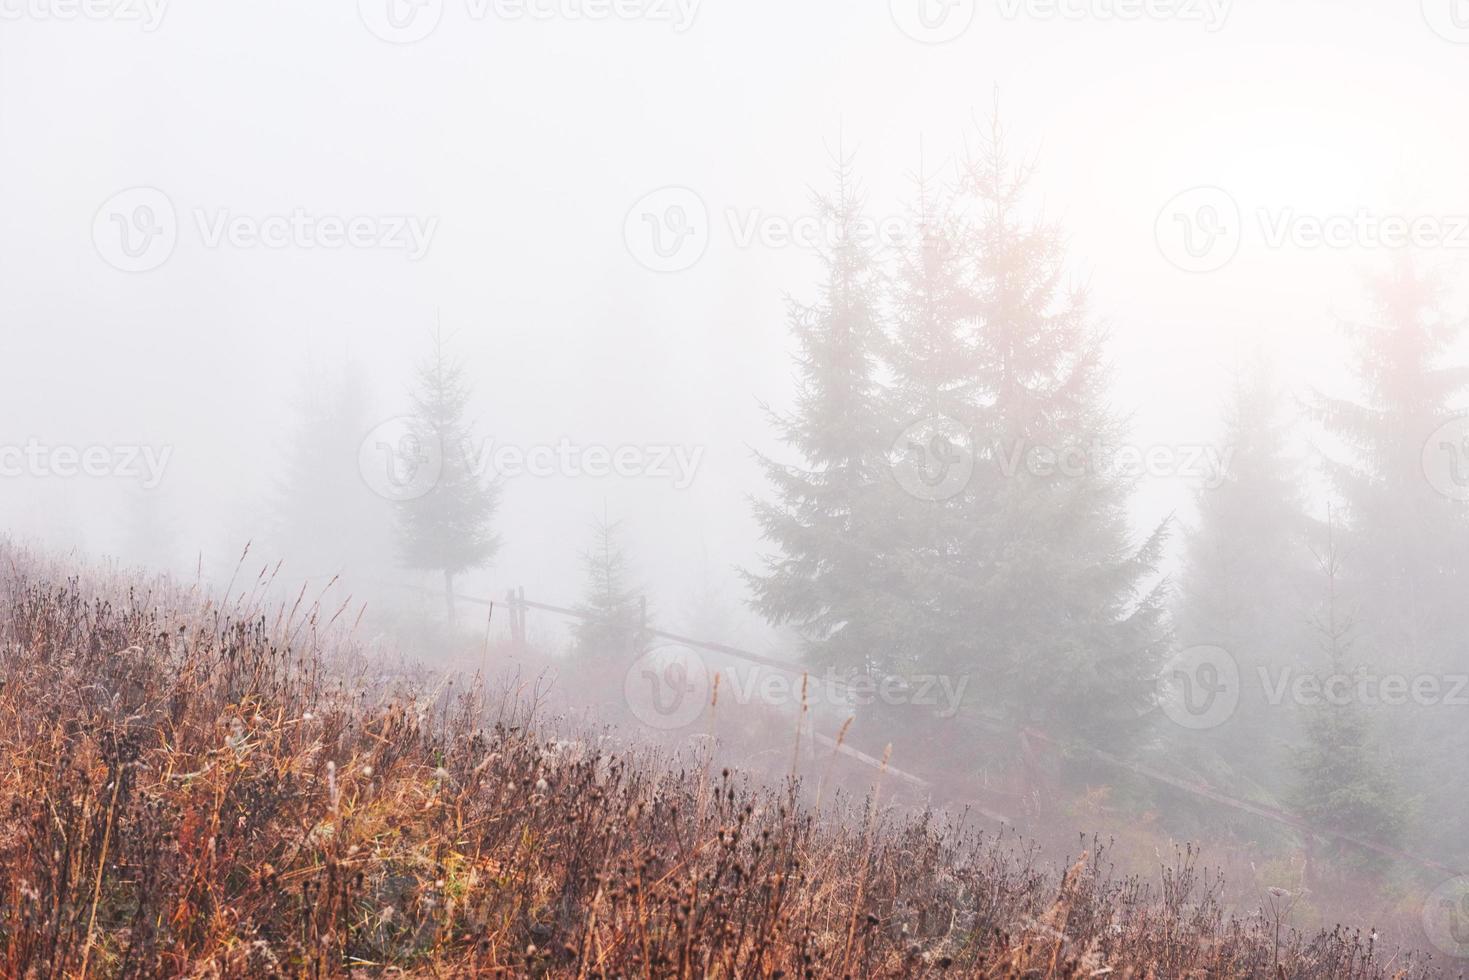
(195,790)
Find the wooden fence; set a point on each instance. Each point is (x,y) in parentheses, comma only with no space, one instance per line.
(518,605)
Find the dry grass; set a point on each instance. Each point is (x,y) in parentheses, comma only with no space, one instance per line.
(190,790)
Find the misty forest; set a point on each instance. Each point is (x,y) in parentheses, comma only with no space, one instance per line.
(665,488)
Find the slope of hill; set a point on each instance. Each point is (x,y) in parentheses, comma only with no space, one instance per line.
(197,789)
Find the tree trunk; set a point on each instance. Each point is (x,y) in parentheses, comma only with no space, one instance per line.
(449,595)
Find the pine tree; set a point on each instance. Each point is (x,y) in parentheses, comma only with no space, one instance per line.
(1408,540)
(828,580)
(1063,608)
(613,624)
(930,353)
(932,361)
(448,530)
(1245,585)
(1343,785)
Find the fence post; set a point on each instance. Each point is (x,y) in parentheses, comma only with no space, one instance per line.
(517,627)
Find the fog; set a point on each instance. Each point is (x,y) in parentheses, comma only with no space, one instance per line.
(223,221)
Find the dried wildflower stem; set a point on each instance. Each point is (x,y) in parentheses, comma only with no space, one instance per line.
(101,868)
(867,835)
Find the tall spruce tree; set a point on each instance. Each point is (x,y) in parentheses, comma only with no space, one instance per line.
(829,580)
(1248,583)
(448,530)
(1408,540)
(1064,609)
(931,360)
(1344,784)
(930,353)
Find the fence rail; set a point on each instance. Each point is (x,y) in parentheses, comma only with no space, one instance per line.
(517,605)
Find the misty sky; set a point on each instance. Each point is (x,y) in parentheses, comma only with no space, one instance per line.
(521,145)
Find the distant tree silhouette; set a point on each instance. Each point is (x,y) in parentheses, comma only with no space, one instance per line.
(449,529)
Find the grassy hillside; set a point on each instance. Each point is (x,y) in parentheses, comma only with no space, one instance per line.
(195,790)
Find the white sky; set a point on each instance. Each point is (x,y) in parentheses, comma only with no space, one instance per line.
(530,141)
